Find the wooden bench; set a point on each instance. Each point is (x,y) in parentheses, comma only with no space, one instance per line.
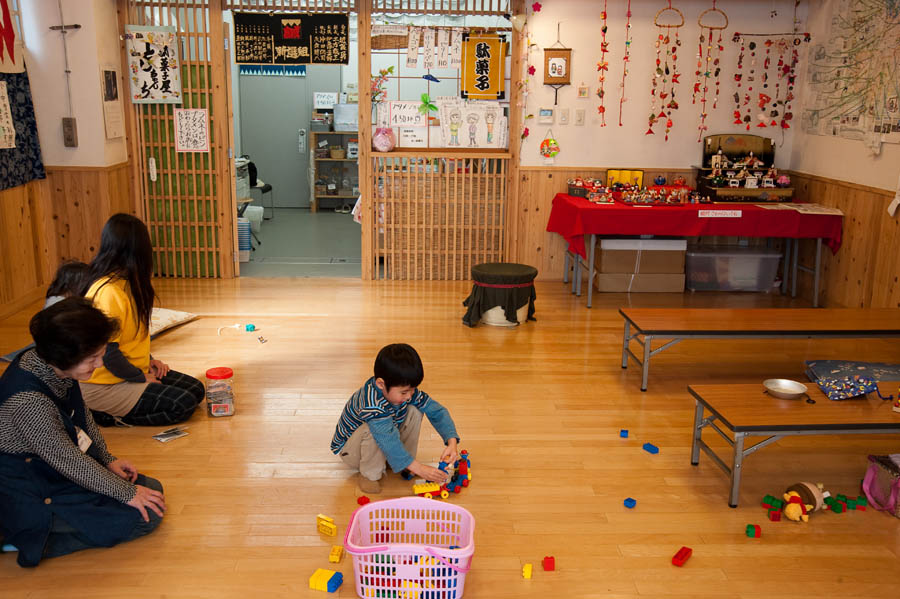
(745,411)
(677,324)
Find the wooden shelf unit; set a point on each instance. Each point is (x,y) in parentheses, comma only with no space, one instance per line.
(341,166)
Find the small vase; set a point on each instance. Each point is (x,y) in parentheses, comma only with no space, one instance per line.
(383,140)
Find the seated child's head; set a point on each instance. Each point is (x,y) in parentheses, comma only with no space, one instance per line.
(69,280)
(398,371)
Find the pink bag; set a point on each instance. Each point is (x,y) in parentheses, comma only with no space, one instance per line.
(882,484)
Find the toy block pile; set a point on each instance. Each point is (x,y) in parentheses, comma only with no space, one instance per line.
(325,580)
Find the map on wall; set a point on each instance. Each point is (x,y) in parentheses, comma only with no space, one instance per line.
(853,88)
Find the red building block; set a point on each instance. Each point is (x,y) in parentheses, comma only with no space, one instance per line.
(362,500)
(682,556)
(775,515)
(549,563)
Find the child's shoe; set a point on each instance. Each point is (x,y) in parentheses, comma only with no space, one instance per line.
(368,486)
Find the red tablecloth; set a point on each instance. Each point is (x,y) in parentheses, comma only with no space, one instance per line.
(573,218)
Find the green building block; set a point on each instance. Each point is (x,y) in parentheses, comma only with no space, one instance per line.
(862,500)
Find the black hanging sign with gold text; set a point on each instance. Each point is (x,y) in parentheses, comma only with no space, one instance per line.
(291,38)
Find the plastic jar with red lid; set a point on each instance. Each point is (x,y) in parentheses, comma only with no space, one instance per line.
(220,391)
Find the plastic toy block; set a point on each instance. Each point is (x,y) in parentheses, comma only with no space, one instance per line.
(651,448)
(426,487)
(851,504)
(526,571)
(623,433)
(682,556)
(775,515)
(861,501)
(549,563)
(325,525)
(250,327)
(778,504)
(837,507)
(753,531)
(362,500)
(842,497)
(768,502)
(630,503)
(325,580)
(337,552)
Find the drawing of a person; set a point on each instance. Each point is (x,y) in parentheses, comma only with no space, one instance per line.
(455,123)
(489,119)
(472,119)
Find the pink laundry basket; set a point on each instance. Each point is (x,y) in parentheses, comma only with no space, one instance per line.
(401,548)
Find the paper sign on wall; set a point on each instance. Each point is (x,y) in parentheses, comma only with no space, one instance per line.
(483,66)
(113,118)
(324,100)
(389,30)
(291,38)
(153,64)
(456,48)
(412,48)
(473,124)
(413,137)
(191,130)
(7,129)
(443,49)
(428,48)
(405,114)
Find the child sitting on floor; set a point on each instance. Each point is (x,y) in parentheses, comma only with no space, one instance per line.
(69,281)
(381,421)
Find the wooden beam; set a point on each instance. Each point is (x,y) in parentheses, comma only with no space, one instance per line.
(369,207)
(516,108)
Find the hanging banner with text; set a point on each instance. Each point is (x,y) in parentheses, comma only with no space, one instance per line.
(153,67)
(291,38)
(483,63)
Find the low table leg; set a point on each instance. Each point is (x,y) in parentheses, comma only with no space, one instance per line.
(578,262)
(816,275)
(786,269)
(645,367)
(794,268)
(591,270)
(698,432)
(625,342)
(737,462)
(566,268)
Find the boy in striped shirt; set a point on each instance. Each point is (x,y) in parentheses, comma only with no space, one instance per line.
(381,421)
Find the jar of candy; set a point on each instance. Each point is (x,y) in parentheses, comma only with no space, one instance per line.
(220,391)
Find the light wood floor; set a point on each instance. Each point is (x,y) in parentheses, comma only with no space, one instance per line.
(538,407)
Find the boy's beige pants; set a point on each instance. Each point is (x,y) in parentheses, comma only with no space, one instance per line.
(362,453)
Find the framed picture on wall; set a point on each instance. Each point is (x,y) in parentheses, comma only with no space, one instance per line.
(557,66)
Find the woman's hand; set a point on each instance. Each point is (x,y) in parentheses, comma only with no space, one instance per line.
(159,369)
(148,498)
(450,454)
(429,473)
(123,469)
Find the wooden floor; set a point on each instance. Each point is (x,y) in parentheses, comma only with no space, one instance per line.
(538,407)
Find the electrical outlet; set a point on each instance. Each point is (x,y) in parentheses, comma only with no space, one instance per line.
(70,132)
(579,117)
(563,116)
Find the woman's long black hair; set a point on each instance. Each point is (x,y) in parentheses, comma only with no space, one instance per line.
(127,254)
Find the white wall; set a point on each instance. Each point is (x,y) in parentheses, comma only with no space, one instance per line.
(95,44)
(836,157)
(628,146)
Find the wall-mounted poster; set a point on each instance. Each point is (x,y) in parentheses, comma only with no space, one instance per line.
(557,66)
(153,67)
(113,118)
(473,125)
(483,63)
(191,130)
(289,38)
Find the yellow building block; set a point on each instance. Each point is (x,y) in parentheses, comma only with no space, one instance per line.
(427,487)
(319,580)
(337,552)
(325,525)
(526,571)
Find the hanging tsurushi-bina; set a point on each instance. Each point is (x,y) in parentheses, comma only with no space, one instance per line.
(665,74)
(709,57)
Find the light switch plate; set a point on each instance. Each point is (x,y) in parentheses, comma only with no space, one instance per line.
(579,117)
(563,116)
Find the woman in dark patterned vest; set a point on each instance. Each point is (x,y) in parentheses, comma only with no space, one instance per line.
(60,488)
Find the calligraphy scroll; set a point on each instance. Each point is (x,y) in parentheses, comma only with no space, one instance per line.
(289,38)
(482,71)
(191,130)
(153,64)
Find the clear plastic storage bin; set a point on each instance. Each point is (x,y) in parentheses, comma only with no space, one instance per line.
(731,268)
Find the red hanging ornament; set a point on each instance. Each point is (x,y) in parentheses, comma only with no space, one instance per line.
(625,59)
(602,67)
(665,76)
(708,62)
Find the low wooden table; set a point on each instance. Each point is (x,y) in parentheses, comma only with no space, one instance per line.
(746,411)
(677,324)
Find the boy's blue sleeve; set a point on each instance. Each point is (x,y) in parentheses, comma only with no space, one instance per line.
(438,416)
(387,436)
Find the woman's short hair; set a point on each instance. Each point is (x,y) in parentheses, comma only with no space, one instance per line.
(399,365)
(69,331)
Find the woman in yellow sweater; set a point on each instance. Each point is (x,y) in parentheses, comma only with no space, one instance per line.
(132,386)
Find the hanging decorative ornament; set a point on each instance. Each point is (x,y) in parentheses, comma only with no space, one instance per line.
(625,59)
(738,77)
(751,78)
(709,63)
(665,75)
(549,147)
(528,46)
(602,66)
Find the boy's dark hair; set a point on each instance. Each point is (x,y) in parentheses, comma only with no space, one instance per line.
(69,331)
(398,365)
(69,280)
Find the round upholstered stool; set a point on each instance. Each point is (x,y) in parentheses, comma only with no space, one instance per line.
(502,294)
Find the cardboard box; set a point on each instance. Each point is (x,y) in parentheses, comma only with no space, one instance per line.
(643,256)
(638,283)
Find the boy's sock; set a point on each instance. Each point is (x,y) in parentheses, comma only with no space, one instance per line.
(368,486)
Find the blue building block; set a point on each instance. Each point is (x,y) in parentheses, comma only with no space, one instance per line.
(630,503)
(335,582)
(250,327)
(623,433)
(651,448)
